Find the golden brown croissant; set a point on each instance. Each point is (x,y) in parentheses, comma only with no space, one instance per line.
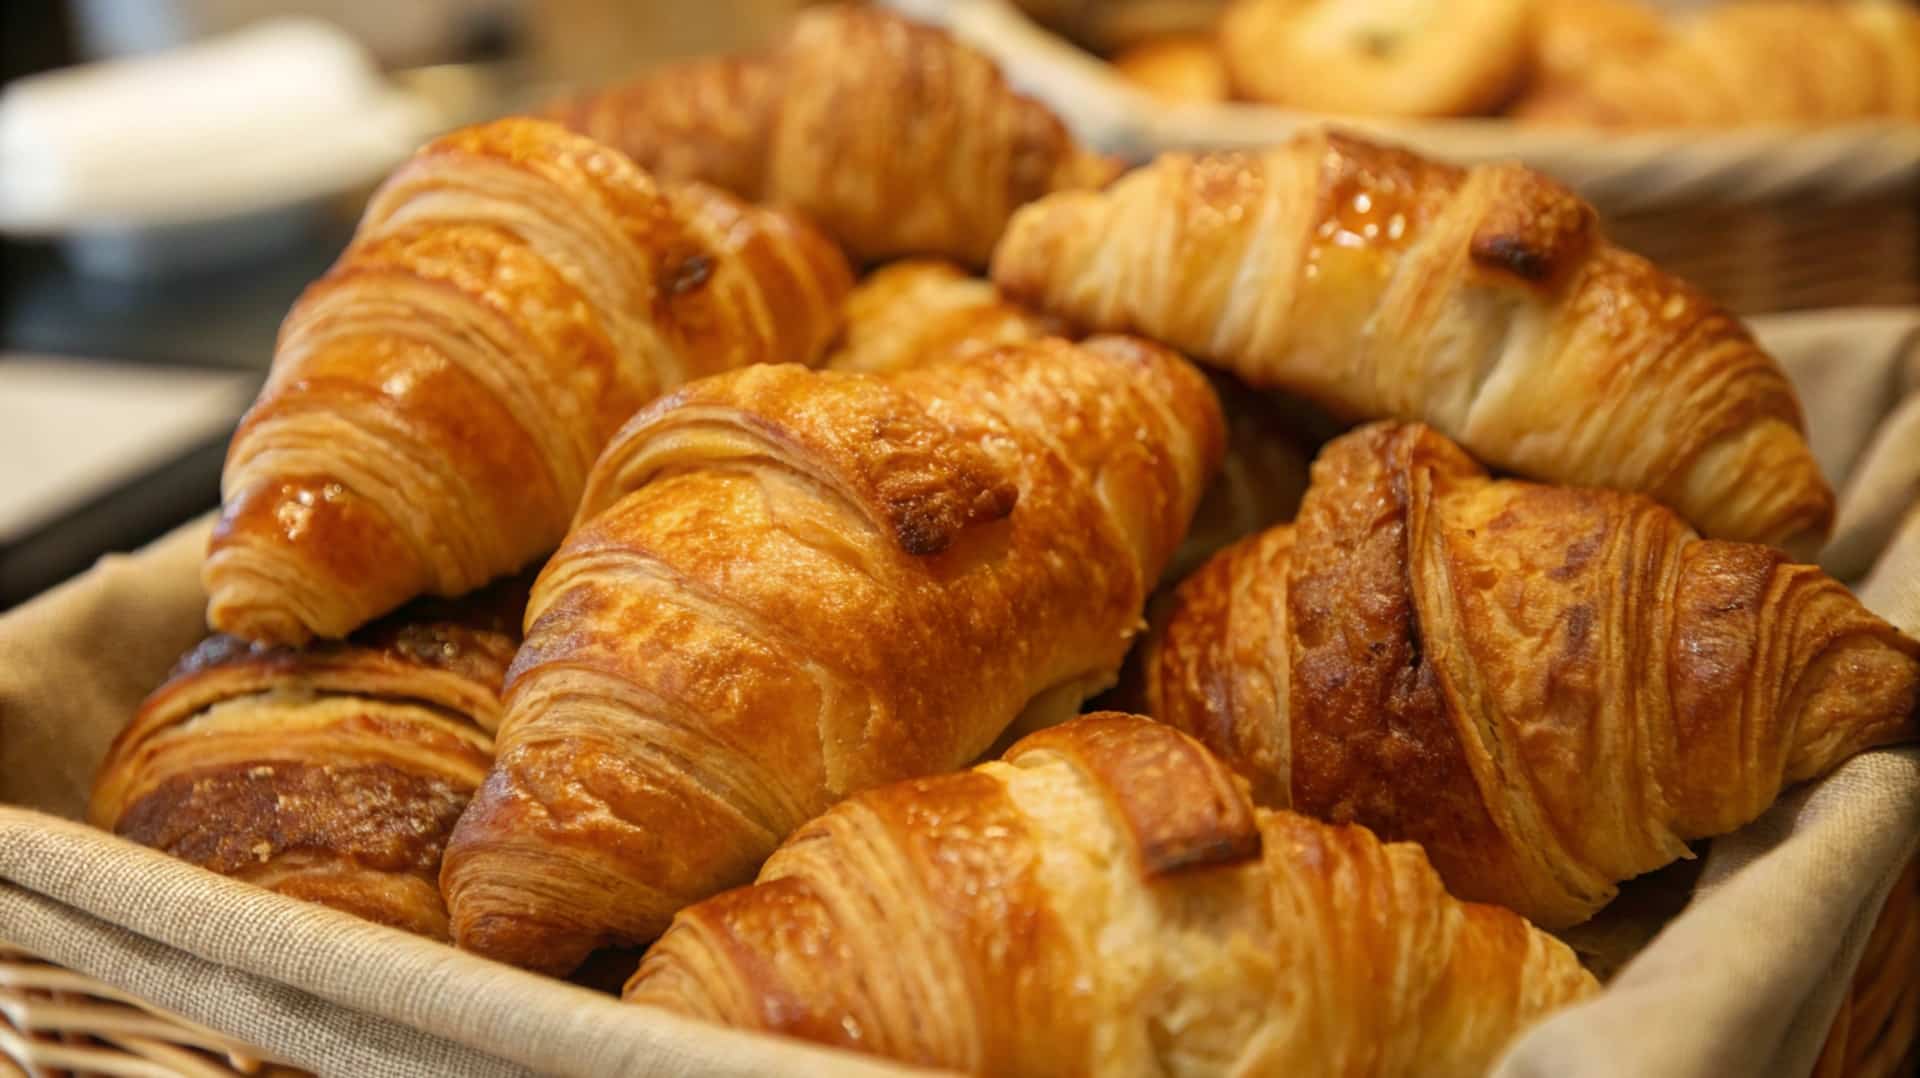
(513,294)
(895,138)
(1551,689)
(1482,301)
(1771,62)
(787,586)
(921,311)
(917,312)
(1369,57)
(332,773)
(1107,901)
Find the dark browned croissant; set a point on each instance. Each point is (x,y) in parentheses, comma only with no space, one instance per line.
(1108,901)
(513,294)
(332,773)
(787,586)
(1551,689)
(1484,301)
(896,138)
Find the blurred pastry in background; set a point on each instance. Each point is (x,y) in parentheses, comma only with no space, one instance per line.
(1407,58)
(1179,69)
(1754,64)
(1570,37)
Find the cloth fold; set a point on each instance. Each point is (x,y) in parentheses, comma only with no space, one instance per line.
(1744,981)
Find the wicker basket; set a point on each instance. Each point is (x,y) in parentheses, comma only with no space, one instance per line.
(60,1023)
(1787,255)
(1874,1033)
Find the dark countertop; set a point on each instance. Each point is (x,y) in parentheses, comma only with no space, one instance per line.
(225,319)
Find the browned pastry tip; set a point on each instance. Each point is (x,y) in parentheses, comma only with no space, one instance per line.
(513,293)
(787,586)
(1551,689)
(1483,301)
(1050,913)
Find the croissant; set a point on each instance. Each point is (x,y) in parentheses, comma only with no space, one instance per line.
(1179,69)
(920,311)
(788,586)
(1364,57)
(332,773)
(1550,689)
(1482,301)
(1108,901)
(912,313)
(1778,63)
(1571,37)
(513,294)
(895,138)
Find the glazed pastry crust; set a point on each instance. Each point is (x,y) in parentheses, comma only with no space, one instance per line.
(1482,301)
(513,294)
(332,773)
(943,153)
(1108,901)
(775,582)
(1550,689)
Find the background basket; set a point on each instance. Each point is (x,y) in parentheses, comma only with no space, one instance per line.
(1764,220)
(1788,254)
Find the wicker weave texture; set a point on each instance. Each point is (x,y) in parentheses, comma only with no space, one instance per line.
(60,1023)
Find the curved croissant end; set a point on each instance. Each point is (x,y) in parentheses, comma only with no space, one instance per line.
(919,311)
(1550,689)
(332,773)
(514,292)
(779,584)
(1107,901)
(943,154)
(1482,301)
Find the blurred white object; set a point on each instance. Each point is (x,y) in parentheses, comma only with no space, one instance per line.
(400,33)
(71,430)
(263,120)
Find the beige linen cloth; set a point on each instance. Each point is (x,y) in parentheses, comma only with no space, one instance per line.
(1745,981)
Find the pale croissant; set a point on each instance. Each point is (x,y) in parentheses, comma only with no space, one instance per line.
(1770,63)
(1107,901)
(786,586)
(1484,301)
(917,312)
(332,773)
(1551,689)
(896,138)
(513,294)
